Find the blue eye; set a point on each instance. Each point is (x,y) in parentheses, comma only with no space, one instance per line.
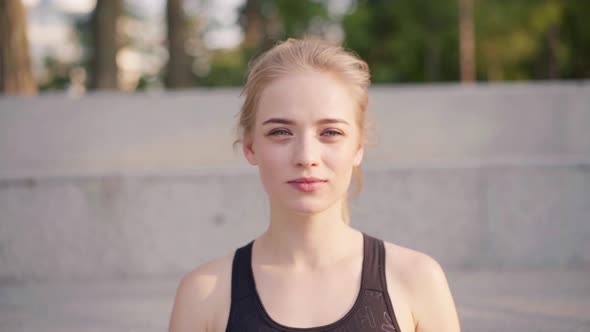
(331,133)
(279,132)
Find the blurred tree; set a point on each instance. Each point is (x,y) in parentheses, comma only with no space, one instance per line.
(15,62)
(267,21)
(467,42)
(573,51)
(402,40)
(405,41)
(179,62)
(418,40)
(264,22)
(254,25)
(225,69)
(105,44)
(295,18)
(519,40)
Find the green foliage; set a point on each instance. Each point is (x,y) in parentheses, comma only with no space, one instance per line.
(417,40)
(296,16)
(507,34)
(226,69)
(405,41)
(280,19)
(58,75)
(575,34)
(527,39)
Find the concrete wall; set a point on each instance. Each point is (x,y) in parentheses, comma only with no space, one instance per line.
(488,216)
(193,130)
(112,185)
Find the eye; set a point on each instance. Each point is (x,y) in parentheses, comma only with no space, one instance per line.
(279,132)
(331,133)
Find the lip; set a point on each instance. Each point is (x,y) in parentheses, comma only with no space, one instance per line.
(307,184)
(307,180)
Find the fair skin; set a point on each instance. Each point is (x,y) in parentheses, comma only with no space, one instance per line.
(306,261)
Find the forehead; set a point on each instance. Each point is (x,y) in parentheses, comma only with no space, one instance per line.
(306,96)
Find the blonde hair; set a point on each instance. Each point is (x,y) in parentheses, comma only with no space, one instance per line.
(296,55)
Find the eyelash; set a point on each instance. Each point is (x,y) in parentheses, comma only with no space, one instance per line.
(276,132)
(333,133)
(337,133)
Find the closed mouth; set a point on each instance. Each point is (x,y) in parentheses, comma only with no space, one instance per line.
(307,180)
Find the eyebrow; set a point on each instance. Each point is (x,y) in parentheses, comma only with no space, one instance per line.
(291,122)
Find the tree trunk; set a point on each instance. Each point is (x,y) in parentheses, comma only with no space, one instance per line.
(467,40)
(179,62)
(253,25)
(432,51)
(257,27)
(552,48)
(16,76)
(106,45)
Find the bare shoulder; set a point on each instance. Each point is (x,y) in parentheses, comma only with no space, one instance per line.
(203,297)
(424,281)
(412,267)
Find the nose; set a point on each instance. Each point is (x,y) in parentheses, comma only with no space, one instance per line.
(306,152)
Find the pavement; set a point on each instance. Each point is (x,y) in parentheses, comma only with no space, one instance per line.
(487,300)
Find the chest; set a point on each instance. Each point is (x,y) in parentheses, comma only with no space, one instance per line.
(308,299)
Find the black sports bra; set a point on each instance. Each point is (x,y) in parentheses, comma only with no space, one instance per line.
(372,310)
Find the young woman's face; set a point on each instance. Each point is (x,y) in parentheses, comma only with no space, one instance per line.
(305,141)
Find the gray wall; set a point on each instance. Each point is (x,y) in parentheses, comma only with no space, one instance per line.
(147,185)
(193,130)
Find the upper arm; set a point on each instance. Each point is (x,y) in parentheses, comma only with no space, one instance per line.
(202,298)
(189,312)
(433,305)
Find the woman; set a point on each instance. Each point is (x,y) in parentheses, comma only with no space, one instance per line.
(303,124)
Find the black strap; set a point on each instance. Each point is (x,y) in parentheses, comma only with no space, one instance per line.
(383,279)
(373,264)
(242,278)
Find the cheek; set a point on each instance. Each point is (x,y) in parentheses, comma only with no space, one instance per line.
(270,163)
(271,154)
(340,157)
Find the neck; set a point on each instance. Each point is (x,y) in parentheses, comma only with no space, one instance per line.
(307,240)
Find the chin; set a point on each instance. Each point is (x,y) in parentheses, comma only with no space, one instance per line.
(308,207)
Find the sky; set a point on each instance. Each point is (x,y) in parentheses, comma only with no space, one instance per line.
(47,27)
(51,31)
(226,34)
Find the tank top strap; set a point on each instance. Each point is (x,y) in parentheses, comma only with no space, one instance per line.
(373,277)
(242,281)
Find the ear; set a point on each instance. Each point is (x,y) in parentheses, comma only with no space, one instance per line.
(358,156)
(248,149)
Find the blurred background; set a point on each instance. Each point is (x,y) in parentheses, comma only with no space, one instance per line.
(117,173)
(130,45)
